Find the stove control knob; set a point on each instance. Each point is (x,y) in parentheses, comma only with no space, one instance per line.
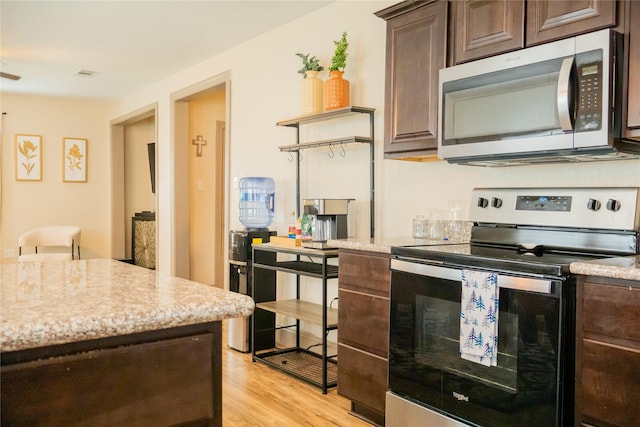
(482,202)
(593,205)
(613,205)
(496,202)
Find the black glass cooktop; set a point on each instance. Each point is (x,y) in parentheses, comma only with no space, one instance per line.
(496,258)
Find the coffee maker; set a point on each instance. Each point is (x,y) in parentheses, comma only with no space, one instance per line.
(327,218)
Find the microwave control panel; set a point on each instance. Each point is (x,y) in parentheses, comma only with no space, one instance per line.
(589,98)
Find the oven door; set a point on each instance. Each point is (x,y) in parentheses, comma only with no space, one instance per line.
(425,364)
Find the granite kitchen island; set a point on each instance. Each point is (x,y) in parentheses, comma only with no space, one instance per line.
(101,342)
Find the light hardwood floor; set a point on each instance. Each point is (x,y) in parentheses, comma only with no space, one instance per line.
(254,394)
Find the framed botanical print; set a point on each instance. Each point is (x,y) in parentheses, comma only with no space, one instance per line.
(74,158)
(28,157)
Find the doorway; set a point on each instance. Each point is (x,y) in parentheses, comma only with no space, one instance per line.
(132,179)
(200,196)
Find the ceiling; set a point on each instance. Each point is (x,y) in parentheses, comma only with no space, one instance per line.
(128,44)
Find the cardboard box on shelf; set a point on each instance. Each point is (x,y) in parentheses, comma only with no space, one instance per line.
(284,241)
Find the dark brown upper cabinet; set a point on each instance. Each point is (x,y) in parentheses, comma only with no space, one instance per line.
(485,28)
(549,20)
(633,72)
(415,52)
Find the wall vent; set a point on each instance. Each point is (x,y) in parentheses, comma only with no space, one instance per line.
(85,73)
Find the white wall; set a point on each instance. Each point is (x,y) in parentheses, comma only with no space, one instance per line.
(265,90)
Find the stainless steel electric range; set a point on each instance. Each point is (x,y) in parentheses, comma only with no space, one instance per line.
(522,243)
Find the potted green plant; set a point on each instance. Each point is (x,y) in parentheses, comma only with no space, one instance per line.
(336,89)
(311,87)
(339,59)
(309,64)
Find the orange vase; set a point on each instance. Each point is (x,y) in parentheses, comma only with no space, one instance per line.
(336,91)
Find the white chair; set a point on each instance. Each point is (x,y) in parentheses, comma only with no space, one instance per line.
(53,239)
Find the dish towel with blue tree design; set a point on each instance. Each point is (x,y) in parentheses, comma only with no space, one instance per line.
(479,317)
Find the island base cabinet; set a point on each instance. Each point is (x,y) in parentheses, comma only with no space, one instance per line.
(161,383)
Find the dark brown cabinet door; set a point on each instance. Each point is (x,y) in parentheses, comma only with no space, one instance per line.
(610,384)
(607,352)
(415,52)
(485,28)
(556,19)
(633,101)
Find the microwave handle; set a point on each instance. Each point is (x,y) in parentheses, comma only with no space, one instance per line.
(564,77)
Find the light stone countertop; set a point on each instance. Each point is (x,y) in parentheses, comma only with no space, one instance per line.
(384,245)
(616,268)
(49,303)
(377,245)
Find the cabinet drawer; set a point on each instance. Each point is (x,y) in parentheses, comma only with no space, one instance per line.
(365,273)
(362,377)
(364,322)
(610,383)
(611,310)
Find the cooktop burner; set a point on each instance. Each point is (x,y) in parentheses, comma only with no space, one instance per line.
(495,258)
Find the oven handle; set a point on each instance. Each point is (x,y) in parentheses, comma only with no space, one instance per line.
(454,274)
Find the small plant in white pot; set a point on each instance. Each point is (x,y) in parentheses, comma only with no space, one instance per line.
(309,64)
(311,87)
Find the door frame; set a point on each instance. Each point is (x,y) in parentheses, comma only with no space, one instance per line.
(117,130)
(180,190)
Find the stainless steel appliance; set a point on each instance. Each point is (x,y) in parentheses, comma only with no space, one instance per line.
(240,281)
(527,237)
(556,102)
(328,219)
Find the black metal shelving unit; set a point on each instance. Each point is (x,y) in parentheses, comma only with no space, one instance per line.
(317,369)
(339,143)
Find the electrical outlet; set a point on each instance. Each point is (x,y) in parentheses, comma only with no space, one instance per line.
(9,253)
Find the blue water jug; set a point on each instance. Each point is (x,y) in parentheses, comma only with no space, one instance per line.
(256,201)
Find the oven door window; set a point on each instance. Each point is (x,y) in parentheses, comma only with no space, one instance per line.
(425,362)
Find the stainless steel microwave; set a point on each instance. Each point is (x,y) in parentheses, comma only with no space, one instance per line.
(556,102)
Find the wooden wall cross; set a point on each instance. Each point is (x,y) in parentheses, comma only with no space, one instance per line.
(199,142)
